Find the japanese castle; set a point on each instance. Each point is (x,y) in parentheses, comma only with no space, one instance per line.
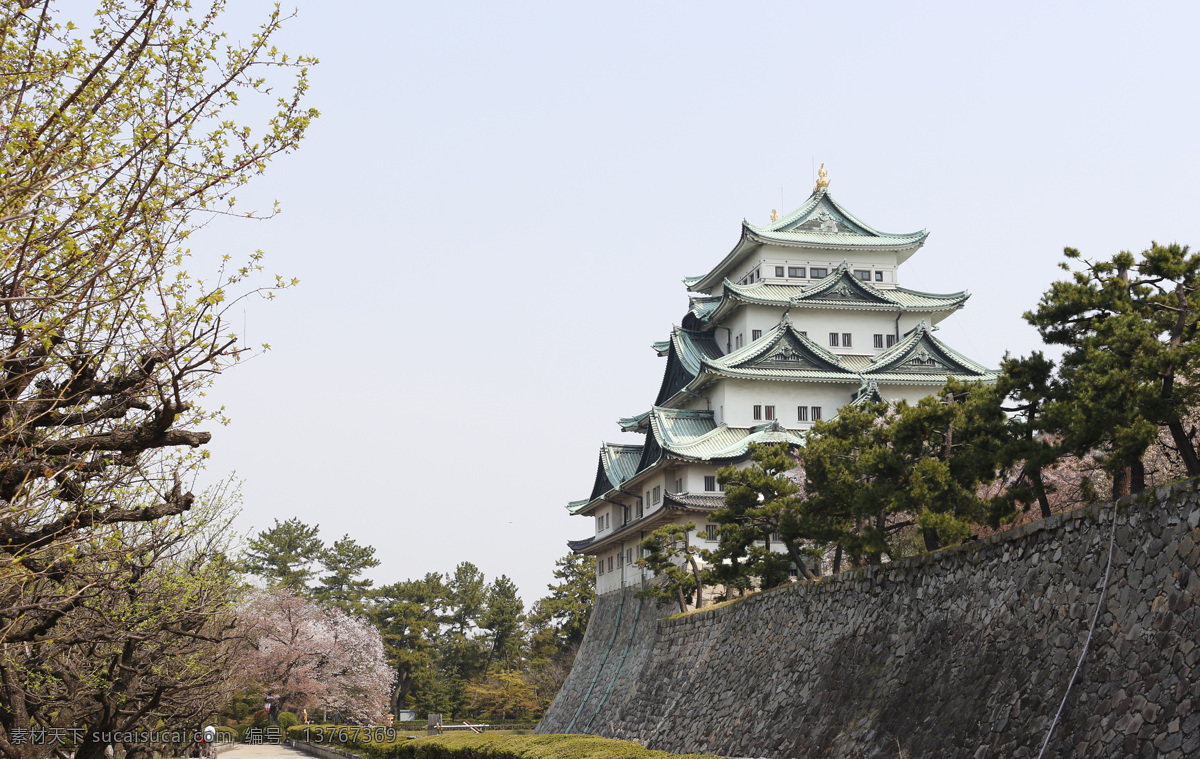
(802,317)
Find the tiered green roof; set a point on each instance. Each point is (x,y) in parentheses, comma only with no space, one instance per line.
(820,223)
(686,354)
(783,354)
(841,290)
(618,463)
(694,435)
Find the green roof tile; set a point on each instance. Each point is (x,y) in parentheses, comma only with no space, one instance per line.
(820,223)
(921,358)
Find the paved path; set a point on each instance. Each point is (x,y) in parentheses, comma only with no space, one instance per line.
(262,751)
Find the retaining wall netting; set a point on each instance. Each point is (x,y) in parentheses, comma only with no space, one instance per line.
(965,652)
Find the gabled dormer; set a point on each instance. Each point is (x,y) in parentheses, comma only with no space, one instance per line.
(921,358)
(782,353)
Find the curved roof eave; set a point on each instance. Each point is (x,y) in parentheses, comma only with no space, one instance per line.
(710,280)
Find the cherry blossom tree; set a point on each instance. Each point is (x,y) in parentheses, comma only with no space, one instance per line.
(306,655)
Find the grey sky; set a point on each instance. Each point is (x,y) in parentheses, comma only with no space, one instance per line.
(491,219)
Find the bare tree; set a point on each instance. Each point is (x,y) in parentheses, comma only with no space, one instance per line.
(146,638)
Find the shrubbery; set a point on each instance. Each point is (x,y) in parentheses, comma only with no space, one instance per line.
(475,746)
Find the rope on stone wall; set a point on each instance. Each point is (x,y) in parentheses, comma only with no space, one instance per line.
(612,638)
(1083,654)
(629,644)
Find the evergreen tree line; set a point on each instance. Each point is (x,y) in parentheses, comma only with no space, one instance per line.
(1117,413)
(460,645)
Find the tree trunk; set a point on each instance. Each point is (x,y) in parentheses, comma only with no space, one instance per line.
(1039,489)
(687,550)
(793,552)
(699,584)
(931,539)
(1186,450)
(837,559)
(1120,486)
(1137,476)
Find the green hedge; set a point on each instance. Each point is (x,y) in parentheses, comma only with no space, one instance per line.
(475,746)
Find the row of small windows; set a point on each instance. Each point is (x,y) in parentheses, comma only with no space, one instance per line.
(622,558)
(803,413)
(818,272)
(750,278)
(801,272)
(836,339)
(845,340)
(710,533)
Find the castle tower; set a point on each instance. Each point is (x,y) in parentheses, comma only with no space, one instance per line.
(802,317)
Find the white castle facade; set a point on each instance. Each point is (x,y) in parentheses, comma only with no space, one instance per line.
(802,317)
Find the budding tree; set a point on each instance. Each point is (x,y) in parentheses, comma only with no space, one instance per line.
(117,144)
(120,136)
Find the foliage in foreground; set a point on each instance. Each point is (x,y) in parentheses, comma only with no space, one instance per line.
(490,746)
(126,128)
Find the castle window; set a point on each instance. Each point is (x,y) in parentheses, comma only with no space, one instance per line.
(891,340)
(878,276)
(816,413)
(624,515)
(758,412)
(610,566)
(833,339)
(865,276)
(778,271)
(679,486)
(657,494)
(710,483)
(878,341)
(770,411)
(620,558)
(796,271)
(815,273)
(755,334)
(802,413)
(845,339)
(600,566)
(710,532)
(641,511)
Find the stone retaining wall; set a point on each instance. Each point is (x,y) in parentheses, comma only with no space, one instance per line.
(965,652)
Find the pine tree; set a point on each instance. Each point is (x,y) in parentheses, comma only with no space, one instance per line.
(284,555)
(562,617)
(670,554)
(344,586)
(1132,364)
(762,503)
(503,620)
